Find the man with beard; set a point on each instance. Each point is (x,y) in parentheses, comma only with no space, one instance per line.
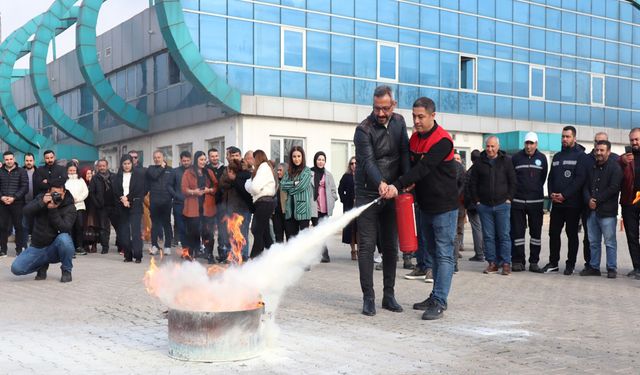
(382,155)
(30,167)
(102,198)
(13,187)
(175,190)
(630,163)
(566,179)
(48,172)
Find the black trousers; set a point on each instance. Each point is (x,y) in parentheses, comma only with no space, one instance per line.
(199,230)
(377,222)
(78,229)
(260,227)
(631,219)
(278,225)
(293,226)
(586,247)
(11,217)
(108,217)
(129,234)
(569,218)
(161,220)
(522,216)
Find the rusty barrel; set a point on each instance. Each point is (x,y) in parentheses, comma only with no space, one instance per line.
(216,336)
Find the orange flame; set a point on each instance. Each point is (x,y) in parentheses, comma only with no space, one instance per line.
(185,254)
(148,276)
(237,240)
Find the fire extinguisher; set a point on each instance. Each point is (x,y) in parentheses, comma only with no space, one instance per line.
(406,221)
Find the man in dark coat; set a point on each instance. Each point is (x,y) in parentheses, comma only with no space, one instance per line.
(14,185)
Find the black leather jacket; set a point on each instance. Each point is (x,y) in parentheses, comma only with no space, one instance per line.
(382,154)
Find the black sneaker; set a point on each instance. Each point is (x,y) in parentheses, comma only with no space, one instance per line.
(42,272)
(105,250)
(611,274)
(434,311)
(80,251)
(66,277)
(590,272)
(533,267)
(407,265)
(425,304)
(476,258)
(416,274)
(550,268)
(568,270)
(378,266)
(517,267)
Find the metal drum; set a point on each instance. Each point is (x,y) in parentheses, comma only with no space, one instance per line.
(216,336)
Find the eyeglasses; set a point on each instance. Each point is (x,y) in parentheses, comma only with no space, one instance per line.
(382,109)
(133,157)
(353,163)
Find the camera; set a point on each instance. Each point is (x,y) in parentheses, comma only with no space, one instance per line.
(628,149)
(56,197)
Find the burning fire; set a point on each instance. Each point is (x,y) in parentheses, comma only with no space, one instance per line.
(192,287)
(237,240)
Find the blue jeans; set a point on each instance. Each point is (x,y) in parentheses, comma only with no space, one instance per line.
(440,233)
(496,228)
(61,250)
(424,259)
(599,227)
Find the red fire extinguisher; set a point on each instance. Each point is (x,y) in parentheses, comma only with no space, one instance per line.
(406,221)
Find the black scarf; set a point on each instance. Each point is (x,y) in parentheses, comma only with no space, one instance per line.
(318,173)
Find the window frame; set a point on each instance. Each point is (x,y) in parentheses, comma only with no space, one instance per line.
(397,63)
(544,77)
(604,89)
(302,31)
(283,152)
(475,72)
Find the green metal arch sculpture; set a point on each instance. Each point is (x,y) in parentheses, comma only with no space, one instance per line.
(186,54)
(92,71)
(13,49)
(60,15)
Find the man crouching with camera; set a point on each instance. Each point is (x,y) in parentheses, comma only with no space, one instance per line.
(54,214)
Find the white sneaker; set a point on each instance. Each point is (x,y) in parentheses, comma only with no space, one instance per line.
(153,250)
(377,258)
(167,251)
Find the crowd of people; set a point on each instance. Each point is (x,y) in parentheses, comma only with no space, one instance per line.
(275,203)
(70,211)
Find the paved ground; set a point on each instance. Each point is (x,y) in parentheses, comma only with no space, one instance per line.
(105,323)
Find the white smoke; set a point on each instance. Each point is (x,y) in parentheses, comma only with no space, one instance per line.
(187,285)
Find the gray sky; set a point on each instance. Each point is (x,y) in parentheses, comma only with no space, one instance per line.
(17,13)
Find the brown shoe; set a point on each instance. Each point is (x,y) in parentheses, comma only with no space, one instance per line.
(491,268)
(354,255)
(506,269)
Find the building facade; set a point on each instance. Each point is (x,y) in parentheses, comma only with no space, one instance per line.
(269,74)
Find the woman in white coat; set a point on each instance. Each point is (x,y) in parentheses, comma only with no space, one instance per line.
(79,190)
(262,187)
(325,194)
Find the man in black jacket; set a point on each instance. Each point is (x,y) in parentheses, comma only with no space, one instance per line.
(601,196)
(159,176)
(104,201)
(531,173)
(218,169)
(175,190)
(382,155)
(472,212)
(54,214)
(14,185)
(565,183)
(493,185)
(435,175)
(49,172)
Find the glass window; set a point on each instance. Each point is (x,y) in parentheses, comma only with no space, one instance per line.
(624,120)
(486,105)
(449,71)
(407,95)
(267,46)
(241,78)
(504,74)
(583,25)
(318,21)
(625,54)
(611,92)
(342,7)
(468,73)
(366,29)
(318,52)
(319,87)
(468,26)
(486,75)
(610,118)
(552,112)
(504,9)
(430,19)
(486,29)
(537,39)
(635,95)
(520,109)
(583,88)
(553,18)
(521,80)
(569,22)
(536,110)
(267,82)
(568,44)
(240,38)
(487,8)
(520,36)
(537,82)
(449,101)
(365,58)
(448,22)
(624,93)
(387,61)
(552,84)
(213,38)
(553,41)
(521,12)
(409,61)
(365,9)
(469,6)
(266,13)
(468,103)
(240,9)
(293,48)
(568,114)
(567,86)
(319,5)
(503,107)
(597,116)
(364,91)
(341,90)
(293,84)
(429,63)
(387,11)
(597,27)
(409,15)
(626,33)
(293,17)
(504,33)
(340,25)
(342,55)
(537,15)
(167,152)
